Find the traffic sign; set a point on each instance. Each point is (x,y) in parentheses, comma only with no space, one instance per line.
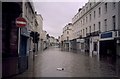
(21,22)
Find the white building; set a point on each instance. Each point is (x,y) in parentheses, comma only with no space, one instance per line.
(28,12)
(95,26)
(39,30)
(60,41)
(67,35)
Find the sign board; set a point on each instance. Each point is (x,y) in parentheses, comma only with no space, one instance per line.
(21,22)
(107,35)
(81,40)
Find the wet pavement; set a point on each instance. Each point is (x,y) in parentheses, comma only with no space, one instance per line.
(75,64)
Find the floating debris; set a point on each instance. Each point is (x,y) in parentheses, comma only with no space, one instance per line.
(60,69)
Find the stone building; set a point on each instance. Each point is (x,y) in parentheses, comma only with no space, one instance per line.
(16,42)
(39,30)
(67,36)
(96,28)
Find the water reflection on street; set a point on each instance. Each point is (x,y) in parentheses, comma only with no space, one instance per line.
(75,64)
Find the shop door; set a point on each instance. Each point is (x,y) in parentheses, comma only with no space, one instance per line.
(23,59)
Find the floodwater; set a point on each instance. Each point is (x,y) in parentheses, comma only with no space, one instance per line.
(74,64)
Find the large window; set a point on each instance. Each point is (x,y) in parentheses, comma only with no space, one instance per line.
(99,26)
(83,32)
(67,32)
(90,16)
(105,21)
(89,29)
(94,27)
(81,22)
(86,30)
(86,8)
(114,22)
(90,5)
(99,11)
(105,7)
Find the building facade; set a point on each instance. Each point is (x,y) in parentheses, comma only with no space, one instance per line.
(39,30)
(96,27)
(16,50)
(67,36)
(27,46)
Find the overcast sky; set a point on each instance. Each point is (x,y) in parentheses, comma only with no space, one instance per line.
(57,14)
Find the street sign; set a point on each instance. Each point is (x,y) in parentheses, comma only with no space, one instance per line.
(21,22)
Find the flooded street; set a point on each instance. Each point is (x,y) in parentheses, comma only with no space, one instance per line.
(74,64)
(60,38)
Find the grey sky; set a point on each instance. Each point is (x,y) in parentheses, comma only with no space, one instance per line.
(57,14)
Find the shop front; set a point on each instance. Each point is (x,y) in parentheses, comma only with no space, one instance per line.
(107,44)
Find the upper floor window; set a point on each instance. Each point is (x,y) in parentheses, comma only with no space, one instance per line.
(114,22)
(99,11)
(67,32)
(89,29)
(86,30)
(99,26)
(114,4)
(90,16)
(83,21)
(105,21)
(105,7)
(94,27)
(86,8)
(90,5)
(83,32)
